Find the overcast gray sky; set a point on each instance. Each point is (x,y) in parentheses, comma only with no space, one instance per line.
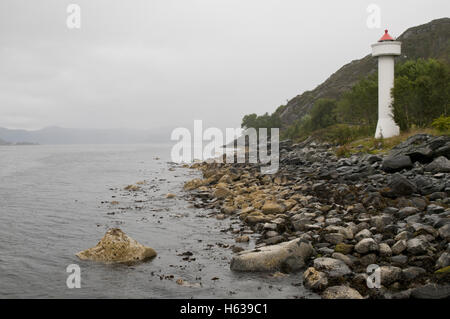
(149,64)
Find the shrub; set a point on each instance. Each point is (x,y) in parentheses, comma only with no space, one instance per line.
(442,123)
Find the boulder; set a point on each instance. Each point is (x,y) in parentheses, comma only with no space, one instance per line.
(401,186)
(385,250)
(273,208)
(334,268)
(444,232)
(393,164)
(341,292)
(116,246)
(366,245)
(417,246)
(287,257)
(389,274)
(431,291)
(438,165)
(399,247)
(314,280)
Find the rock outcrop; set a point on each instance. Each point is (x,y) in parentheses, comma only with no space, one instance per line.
(116,246)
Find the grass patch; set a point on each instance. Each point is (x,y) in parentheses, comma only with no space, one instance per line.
(373,145)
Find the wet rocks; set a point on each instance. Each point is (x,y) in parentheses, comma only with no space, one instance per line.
(352,212)
(341,292)
(334,268)
(315,280)
(116,246)
(287,256)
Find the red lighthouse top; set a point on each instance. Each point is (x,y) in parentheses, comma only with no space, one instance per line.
(386,37)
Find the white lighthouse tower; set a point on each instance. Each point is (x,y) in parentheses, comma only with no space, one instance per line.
(386,49)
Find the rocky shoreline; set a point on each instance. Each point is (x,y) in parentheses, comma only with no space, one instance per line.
(333,217)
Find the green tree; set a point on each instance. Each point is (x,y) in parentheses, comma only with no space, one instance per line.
(421,92)
(359,105)
(323,114)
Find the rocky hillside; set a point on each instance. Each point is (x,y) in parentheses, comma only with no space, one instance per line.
(431,40)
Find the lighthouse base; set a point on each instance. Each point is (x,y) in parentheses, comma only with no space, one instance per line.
(386,127)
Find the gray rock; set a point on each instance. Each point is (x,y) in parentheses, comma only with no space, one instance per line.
(444,232)
(334,268)
(287,256)
(385,250)
(412,273)
(399,247)
(435,209)
(365,233)
(341,292)
(315,280)
(443,261)
(427,185)
(393,164)
(346,259)
(399,260)
(402,235)
(438,165)
(431,291)
(417,246)
(334,238)
(368,259)
(366,245)
(400,186)
(407,211)
(390,274)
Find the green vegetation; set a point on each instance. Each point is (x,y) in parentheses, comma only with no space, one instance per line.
(263,121)
(442,123)
(421,93)
(421,100)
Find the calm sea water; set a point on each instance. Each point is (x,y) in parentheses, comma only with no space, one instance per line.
(56,201)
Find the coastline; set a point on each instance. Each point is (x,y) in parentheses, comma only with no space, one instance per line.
(391,211)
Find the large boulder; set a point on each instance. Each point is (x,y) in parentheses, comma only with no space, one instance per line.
(334,268)
(288,256)
(393,164)
(439,165)
(116,246)
(400,186)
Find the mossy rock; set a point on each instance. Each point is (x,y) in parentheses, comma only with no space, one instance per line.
(443,271)
(343,248)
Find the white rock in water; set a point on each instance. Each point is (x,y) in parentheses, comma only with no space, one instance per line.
(116,246)
(287,256)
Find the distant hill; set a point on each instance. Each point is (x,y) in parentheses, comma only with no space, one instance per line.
(59,135)
(431,40)
(3,142)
